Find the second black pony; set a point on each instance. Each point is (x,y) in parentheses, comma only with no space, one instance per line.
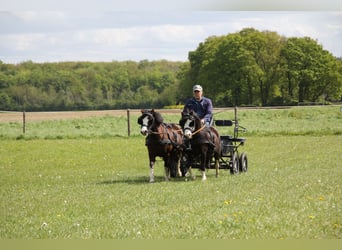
(202,142)
(163,140)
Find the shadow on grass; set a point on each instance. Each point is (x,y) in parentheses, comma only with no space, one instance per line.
(138,180)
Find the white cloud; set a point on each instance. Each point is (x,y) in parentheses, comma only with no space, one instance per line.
(34,16)
(104,36)
(222,5)
(22,42)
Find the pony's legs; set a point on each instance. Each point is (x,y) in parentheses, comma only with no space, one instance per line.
(167,174)
(167,167)
(151,171)
(204,177)
(189,174)
(204,163)
(179,173)
(189,169)
(217,166)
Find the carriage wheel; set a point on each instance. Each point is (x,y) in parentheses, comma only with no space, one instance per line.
(243,163)
(235,163)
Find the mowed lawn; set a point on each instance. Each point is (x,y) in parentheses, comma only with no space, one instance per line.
(97,188)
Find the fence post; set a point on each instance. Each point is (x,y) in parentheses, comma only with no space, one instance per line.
(24,122)
(128,123)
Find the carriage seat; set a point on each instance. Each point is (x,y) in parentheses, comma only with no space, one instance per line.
(223,123)
(228,143)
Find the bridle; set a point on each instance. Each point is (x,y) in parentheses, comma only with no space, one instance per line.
(146,121)
(166,134)
(190,125)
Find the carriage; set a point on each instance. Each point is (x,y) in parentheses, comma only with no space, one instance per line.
(230,158)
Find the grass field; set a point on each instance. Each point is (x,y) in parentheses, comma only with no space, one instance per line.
(326,120)
(59,184)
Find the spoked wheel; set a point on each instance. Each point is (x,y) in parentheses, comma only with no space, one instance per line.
(243,163)
(235,163)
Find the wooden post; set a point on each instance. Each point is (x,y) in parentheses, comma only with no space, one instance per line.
(236,128)
(128,123)
(24,122)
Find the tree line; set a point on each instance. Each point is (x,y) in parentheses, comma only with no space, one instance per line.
(249,67)
(262,68)
(87,85)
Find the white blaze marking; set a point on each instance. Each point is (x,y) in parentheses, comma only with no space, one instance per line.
(188,129)
(143,129)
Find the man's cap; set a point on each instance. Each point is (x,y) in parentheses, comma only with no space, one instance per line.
(197,87)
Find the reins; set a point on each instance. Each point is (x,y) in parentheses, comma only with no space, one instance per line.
(164,131)
(198,130)
(161,133)
(191,117)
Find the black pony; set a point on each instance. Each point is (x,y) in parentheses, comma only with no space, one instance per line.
(163,140)
(202,142)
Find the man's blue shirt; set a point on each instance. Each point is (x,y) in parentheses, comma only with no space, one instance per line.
(203,108)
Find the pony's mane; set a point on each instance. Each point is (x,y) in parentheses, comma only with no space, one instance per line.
(186,114)
(157,116)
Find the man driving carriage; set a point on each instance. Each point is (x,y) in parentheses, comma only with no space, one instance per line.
(201,105)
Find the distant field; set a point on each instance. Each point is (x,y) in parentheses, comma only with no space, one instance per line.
(63,115)
(83,178)
(323,120)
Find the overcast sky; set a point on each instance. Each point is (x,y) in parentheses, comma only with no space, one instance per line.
(51,33)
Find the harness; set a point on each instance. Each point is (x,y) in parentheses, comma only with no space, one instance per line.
(169,139)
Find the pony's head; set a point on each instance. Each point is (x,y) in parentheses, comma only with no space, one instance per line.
(149,119)
(189,123)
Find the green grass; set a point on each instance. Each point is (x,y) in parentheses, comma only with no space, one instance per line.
(323,120)
(98,188)
(103,127)
(93,182)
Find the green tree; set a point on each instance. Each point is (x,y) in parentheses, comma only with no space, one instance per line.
(238,68)
(266,47)
(311,71)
